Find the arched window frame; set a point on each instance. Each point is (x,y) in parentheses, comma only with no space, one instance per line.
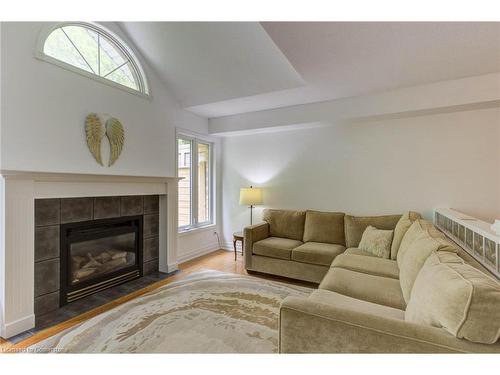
(144,88)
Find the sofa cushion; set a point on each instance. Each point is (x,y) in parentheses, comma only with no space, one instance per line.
(341,301)
(357,251)
(466,303)
(401,227)
(284,223)
(412,258)
(275,247)
(317,253)
(370,265)
(327,227)
(377,289)
(414,231)
(356,225)
(377,241)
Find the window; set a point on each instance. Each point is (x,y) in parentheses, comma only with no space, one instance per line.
(194,165)
(94,52)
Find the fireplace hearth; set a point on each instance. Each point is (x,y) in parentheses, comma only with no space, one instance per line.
(99,254)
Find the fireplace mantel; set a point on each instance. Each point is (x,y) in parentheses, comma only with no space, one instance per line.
(18,191)
(82,177)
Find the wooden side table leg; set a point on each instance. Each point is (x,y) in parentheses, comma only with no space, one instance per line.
(234,245)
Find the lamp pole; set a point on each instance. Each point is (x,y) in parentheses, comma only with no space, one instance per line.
(251,209)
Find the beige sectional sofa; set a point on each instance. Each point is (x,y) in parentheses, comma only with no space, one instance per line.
(302,244)
(428,296)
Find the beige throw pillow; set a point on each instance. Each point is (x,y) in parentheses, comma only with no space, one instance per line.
(356,225)
(455,296)
(377,241)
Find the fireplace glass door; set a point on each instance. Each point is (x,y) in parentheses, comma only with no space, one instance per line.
(94,258)
(99,254)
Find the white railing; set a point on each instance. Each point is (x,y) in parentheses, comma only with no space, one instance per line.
(473,235)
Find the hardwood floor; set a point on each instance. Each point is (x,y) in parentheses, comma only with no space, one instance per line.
(219,260)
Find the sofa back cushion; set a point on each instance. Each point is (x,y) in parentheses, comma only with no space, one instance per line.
(285,223)
(327,227)
(421,239)
(414,231)
(356,225)
(450,294)
(401,227)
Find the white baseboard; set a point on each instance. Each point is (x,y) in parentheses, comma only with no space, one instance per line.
(227,246)
(8,330)
(198,252)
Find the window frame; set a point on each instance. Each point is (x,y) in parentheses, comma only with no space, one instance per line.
(144,87)
(196,139)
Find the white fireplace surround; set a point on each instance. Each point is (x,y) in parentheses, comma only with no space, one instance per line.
(18,191)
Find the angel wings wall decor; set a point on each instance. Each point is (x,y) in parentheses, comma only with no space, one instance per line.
(95,132)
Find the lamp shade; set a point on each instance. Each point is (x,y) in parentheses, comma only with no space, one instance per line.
(250,196)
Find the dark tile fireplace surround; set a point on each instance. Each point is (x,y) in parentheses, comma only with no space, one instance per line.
(51,215)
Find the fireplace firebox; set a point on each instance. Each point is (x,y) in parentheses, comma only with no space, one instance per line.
(99,254)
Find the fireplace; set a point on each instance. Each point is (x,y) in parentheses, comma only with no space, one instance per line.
(36,204)
(99,254)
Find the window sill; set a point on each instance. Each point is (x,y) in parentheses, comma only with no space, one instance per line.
(185,232)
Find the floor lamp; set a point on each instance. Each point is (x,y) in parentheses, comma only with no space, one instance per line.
(250,197)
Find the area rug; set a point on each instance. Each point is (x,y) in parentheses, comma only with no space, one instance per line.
(207,312)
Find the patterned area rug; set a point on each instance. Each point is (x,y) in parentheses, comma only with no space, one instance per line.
(207,312)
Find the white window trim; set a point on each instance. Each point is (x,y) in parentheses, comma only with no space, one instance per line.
(201,138)
(46,31)
(206,228)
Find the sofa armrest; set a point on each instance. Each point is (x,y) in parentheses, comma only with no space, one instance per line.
(311,327)
(252,234)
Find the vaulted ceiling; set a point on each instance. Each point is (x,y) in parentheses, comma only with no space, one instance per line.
(206,62)
(218,69)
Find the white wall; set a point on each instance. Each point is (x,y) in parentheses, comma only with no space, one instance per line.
(43,109)
(369,168)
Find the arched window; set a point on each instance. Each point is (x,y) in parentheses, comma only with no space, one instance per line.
(94,52)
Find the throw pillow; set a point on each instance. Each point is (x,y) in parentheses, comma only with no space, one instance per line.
(377,241)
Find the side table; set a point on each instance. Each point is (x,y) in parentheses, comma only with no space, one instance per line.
(237,236)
